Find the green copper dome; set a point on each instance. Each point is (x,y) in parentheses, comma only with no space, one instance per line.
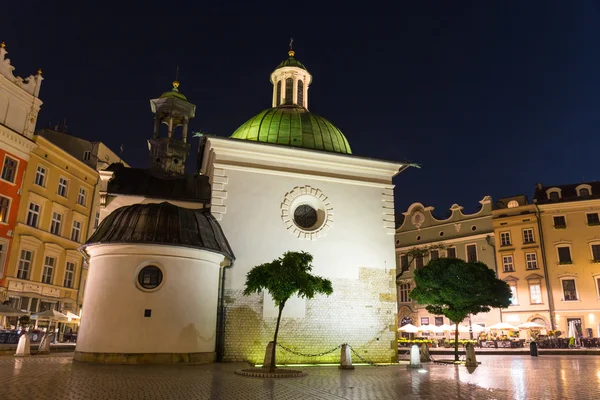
(174,93)
(292,125)
(291,62)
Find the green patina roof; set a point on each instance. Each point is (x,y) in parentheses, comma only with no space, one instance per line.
(291,62)
(291,125)
(173,93)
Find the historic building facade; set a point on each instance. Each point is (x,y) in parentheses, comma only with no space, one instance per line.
(571,232)
(466,236)
(519,256)
(19,107)
(44,268)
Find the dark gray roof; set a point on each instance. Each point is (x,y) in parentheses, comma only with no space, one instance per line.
(568,193)
(144,182)
(162,224)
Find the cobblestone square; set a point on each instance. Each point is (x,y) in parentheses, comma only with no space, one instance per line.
(499,377)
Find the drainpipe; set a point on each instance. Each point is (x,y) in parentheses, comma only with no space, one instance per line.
(220,345)
(489,241)
(543,248)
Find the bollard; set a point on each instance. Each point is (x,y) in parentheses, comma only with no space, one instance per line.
(346,358)
(23,346)
(44,347)
(533,349)
(268,354)
(471,360)
(415,357)
(425,356)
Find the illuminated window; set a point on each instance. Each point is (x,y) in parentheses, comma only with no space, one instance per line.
(33,215)
(569,289)
(531,260)
(4,204)
(9,169)
(508,264)
(69,274)
(62,187)
(75,232)
(301,93)
(535,293)
(40,176)
(528,236)
(82,197)
(150,277)
(56,223)
(513,204)
(289,91)
(24,264)
(48,272)
(505,239)
(404,291)
(424,320)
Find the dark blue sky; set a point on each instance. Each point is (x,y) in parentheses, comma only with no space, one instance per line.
(490,97)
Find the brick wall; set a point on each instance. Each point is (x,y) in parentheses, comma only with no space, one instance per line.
(360,312)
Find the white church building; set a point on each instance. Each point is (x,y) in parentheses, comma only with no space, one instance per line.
(168,263)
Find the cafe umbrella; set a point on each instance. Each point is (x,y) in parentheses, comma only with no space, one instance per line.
(50,316)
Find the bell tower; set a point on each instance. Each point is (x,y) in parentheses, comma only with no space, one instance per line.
(168,154)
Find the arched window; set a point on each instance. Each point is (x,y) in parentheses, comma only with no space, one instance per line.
(513,204)
(278,102)
(553,196)
(301,93)
(584,192)
(289,90)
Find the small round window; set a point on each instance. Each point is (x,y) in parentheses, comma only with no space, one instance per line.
(150,277)
(305,216)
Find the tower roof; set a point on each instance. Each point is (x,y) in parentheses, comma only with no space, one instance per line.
(292,125)
(291,62)
(162,224)
(174,92)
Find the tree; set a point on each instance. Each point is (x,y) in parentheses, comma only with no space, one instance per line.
(413,254)
(455,288)
(283,278)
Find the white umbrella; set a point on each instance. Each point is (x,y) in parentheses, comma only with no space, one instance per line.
(409,328)
(477,328)
(426,328)
(502,326)
(444,327)
(72,317)
(530,325)
(461,328)
(8,311)
(572,330)
(50,315)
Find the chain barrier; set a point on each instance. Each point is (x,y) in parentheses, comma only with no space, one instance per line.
(329,352)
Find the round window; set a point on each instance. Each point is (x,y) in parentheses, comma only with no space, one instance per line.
(305,216)
(150,277)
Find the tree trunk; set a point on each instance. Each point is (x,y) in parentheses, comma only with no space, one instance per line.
(456,341)
(272,369)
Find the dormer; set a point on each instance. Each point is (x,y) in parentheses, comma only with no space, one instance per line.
(554,194)
(584,190)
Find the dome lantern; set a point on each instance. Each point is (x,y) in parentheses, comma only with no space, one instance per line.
(290,82)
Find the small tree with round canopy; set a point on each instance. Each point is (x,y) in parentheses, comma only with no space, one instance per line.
(283,278)
(456,288)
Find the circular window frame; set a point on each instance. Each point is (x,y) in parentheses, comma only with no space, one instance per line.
(313,197)
(139,269)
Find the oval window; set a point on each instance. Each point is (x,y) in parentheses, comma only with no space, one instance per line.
(150,277)
(305,216)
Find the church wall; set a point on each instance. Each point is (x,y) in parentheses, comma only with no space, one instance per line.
(355,252)
(183,308)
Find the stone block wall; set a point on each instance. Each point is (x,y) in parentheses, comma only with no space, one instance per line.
(360,312)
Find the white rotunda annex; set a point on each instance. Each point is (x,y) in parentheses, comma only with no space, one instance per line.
(286,180)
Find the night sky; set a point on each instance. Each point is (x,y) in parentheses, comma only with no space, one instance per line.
(490,99)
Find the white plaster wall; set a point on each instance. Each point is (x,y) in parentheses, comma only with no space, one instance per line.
(253,225)
(184,309)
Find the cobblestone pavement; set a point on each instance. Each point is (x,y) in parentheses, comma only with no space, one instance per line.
(499,377)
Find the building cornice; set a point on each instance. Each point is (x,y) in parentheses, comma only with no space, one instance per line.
(448,241)
(14,143)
